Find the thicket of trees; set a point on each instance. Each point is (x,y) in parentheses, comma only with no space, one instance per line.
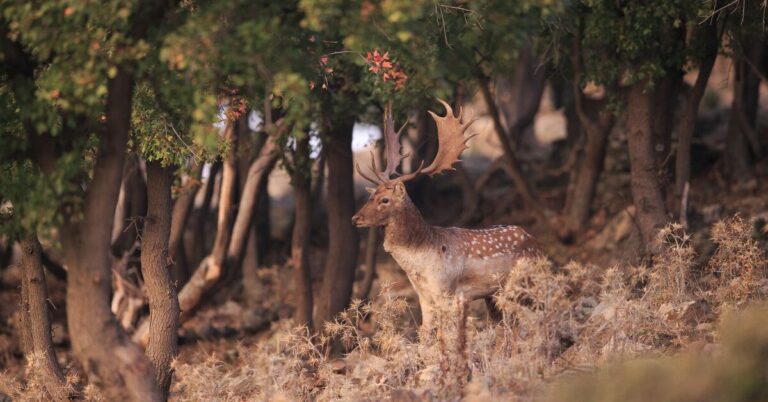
(108,109)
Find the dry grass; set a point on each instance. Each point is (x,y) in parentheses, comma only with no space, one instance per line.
(556,322)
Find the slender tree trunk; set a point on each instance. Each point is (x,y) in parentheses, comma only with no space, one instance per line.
(163,303)
(339,276)
(197,252)
(512,166)
(687,123)
(596,123)
(262,225)
(371,249)
(300,238)
(260,168)
(225,253)
(110,360)
(750,98)
(53,267)
(38,322)
(24,327)
(248,147)
(646,190)
(179,217)
(210,269)
(518,99)
(663,112)
(738,157)
(134,197)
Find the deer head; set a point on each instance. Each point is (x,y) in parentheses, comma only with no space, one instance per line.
(389,196)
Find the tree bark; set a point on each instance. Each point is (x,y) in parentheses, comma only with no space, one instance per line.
(262,226)
(134,207)
(155,262)
(687,123)
(512,166)
(260,168)
(663,107)
(24,328)
(302,279)
(179,217)
(339,276)
(518,99)
(53,267)
(646,189)
(110,360)
(371,249)
(198,248)
(38,323)
(738,157)
(596,123)
(225,253)
(210,269)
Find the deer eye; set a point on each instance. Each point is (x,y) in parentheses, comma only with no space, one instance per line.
(385,200)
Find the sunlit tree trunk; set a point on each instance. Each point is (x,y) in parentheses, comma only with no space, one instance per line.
(300,238)
(646,189)
(36,321)
(182,208)
(336,288)
(155,264)
(111,361)
(687,123)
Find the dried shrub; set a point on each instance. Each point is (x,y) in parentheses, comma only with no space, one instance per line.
(33,386)
(738,267)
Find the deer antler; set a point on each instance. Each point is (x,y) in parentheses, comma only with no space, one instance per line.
(450,140)
(392,147)
(392,150)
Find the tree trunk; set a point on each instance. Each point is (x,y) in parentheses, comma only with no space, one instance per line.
(262,225)
(750,98)
(738,157)
(134,206)
(23,326)
(300,238)
(518,99)
(225,253)
(596,123)
(260,168)
(371,249)
(687,123)
(339,276)
(110,360)
(179,217)
(663,107)
(646,190)
(161,292)
(198,248)
(210,269)
(512,166)
(38,323)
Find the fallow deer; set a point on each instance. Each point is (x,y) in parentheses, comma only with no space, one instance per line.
(439,262)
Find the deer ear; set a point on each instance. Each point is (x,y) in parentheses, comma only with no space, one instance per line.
(370,190)
(399,190)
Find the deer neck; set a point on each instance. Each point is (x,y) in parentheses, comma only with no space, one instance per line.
(407,230)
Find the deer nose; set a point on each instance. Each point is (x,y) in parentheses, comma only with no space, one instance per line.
(355,219)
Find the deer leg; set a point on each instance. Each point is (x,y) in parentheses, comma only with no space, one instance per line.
(493,310)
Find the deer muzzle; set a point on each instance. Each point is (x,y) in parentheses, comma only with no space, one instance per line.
(358,221)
